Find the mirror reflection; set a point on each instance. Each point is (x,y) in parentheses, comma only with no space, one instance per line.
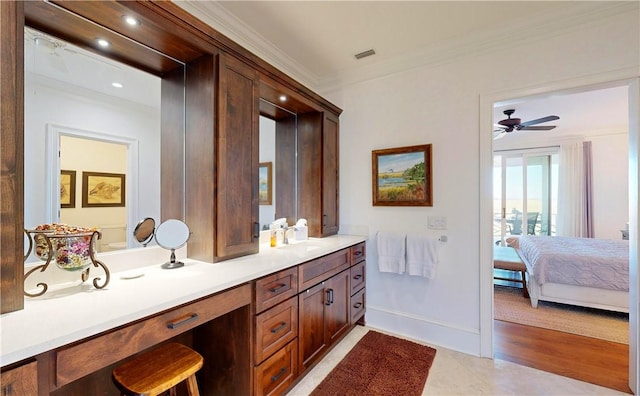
(104,118)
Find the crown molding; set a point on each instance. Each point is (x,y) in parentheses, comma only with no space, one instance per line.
(216,16)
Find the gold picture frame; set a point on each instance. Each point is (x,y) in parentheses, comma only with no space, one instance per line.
(402,176)
(264,183)
(67,189)
(103,189)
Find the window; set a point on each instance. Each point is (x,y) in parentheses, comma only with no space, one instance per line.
(525,192)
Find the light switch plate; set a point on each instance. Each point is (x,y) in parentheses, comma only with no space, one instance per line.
(437,223)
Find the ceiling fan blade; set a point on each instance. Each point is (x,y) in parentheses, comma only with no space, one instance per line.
(540,120)
(537,128)
(499,134)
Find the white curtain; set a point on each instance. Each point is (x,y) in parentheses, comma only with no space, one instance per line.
(575,199)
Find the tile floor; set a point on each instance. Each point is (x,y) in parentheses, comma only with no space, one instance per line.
(455,373)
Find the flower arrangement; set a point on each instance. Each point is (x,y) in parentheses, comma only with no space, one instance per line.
(71,245)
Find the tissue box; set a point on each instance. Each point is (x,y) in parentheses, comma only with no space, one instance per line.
(301,233)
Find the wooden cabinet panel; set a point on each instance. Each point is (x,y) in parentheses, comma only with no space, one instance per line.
(358,253)
(236,159)
(275,328)
(338,313)
(274,289)
(318,270)
(330,220)
(312,339)
(78,360)
(275,375)
(357,306)
(20,381)
(318,172)
(357,274)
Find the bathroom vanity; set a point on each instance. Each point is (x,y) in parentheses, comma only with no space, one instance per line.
(256,320)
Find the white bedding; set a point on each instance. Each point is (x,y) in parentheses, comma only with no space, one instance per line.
(589,262)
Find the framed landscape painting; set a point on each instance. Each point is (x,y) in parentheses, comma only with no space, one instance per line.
(264,183)
(102,189)
(402,176)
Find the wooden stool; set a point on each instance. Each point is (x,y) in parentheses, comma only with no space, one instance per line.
(506,258)
(158,370)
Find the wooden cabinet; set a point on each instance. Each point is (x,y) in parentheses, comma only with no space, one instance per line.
(21,380)
(358,282)
(237,145)
(221,161)
(318,172)
(324,308)
(276,332)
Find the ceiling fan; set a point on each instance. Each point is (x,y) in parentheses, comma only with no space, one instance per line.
(514,124)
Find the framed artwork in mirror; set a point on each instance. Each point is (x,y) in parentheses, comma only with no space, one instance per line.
(402,176)
(264,183)
(102,190)
(67,189)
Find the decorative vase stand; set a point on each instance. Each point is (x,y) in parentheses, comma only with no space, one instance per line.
(71,252)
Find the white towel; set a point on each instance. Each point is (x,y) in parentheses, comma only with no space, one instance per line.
(391,252)
(422,255)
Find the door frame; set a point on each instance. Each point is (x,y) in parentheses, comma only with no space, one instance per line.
(626,77)
(52,178)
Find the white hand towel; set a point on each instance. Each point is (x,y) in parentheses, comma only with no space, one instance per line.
(422,255)
(391,252)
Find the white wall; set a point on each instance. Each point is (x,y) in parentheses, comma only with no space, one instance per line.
(46,104)
(439,104)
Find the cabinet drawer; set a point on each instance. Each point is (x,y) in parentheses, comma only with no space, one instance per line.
(358,252)
(357,305)
(358,276)
(274,289)
(275,375)
(323,268)
(22,380)
(275,328)
(85,357)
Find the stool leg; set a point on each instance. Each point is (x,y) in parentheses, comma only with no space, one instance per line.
(192,386)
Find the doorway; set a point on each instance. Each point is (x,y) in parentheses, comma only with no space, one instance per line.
(76,152)
(487,149)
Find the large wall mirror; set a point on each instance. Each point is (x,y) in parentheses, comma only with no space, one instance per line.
(92,130)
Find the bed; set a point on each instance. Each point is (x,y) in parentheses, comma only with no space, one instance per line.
(586,272)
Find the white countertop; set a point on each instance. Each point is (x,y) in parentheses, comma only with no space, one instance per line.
(61,317)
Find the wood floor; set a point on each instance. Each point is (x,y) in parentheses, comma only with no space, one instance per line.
(587,359)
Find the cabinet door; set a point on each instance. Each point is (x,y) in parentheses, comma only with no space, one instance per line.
(312,339)
(236,184)
(22,380)
(337,308)
(329,174)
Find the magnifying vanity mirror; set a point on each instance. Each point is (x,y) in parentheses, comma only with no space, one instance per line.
(172,234)
(144,231)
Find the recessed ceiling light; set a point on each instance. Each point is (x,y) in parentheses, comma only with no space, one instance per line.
(131,21)
(103,43)
(117,84)
(283,98)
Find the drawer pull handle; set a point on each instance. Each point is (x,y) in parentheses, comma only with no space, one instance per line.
(358,253)
(276,377)
(279,327)
(357,276)
(182,320)
(357,305)
(328,299)
(278,288)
